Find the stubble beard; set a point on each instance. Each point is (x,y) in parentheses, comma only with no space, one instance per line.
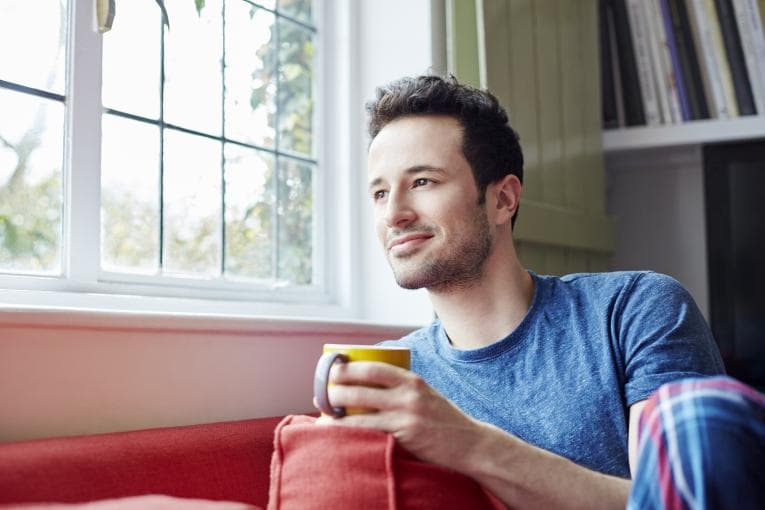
(461,267)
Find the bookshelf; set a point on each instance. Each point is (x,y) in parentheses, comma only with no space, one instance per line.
(693,132)
(708,56)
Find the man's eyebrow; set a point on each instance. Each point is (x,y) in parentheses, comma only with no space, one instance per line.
(410,171)
(374,182)
(424,168)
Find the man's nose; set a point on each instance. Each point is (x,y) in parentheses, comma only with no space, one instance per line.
(398,212)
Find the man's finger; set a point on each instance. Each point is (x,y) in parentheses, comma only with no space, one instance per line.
(341,395)
(383,421)
(369,372)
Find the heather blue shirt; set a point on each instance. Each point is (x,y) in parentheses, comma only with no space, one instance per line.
(590,346)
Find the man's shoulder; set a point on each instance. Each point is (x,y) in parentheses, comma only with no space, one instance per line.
(607,277)
(607,289)
(616,281)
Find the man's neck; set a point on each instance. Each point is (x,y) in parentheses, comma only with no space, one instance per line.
(489,309)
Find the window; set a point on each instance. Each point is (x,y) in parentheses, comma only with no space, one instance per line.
(205,148)
(32,99)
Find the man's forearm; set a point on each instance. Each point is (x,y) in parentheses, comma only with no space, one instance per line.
(524,476)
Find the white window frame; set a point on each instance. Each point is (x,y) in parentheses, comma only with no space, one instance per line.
(82,283)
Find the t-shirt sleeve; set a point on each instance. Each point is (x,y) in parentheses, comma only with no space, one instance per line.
(663,336)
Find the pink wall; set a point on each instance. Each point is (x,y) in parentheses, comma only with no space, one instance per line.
(77,373)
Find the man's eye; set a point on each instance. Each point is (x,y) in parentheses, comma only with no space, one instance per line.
(422,181)
(380,194)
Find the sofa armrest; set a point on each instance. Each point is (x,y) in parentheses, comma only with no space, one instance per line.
(218,461)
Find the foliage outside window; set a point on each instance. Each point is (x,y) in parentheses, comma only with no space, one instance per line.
(208,146)
(32,99)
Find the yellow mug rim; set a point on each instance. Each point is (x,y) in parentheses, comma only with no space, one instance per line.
(361,346)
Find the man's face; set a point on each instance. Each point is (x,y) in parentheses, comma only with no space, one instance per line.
(434,233)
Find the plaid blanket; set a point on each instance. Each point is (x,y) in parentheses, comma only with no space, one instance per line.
(701,444)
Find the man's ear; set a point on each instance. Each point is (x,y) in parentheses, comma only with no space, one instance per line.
(504,197)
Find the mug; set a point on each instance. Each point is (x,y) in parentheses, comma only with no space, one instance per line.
(344,353)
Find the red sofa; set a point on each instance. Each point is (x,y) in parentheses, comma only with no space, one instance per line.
(226,461)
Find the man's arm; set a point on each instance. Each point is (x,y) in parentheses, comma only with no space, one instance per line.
(436,431)
(635,410)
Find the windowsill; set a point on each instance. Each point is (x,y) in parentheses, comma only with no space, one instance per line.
(100,311)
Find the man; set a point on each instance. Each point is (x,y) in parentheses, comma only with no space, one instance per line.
(531,385)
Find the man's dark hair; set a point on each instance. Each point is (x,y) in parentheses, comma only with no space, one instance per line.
(489,143)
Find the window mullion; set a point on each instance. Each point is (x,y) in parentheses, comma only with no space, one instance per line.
(82,229)
(275,255)
(223,252)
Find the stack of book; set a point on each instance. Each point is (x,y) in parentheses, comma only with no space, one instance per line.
(673,61)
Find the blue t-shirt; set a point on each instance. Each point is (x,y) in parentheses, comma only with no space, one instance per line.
(589,346)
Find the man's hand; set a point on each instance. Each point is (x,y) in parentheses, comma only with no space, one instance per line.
(436,431)
(401,403)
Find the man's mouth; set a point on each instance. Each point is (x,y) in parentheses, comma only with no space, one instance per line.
(407,243)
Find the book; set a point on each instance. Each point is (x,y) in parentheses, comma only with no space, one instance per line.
(663,71)
(643,62)
(710,72)
(689,64)
(735,54)
(674,54)
(721,58)
(650,28)
(631,91)
(750,29)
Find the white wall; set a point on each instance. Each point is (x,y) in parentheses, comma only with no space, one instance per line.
(396,42)
(69,373)
(657,199)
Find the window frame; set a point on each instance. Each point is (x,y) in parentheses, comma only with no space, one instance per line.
(82,283)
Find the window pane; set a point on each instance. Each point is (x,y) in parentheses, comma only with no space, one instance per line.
(295,221)
(129,196)
(192,204)
(298,9)
(250,74)
(33,42)
(295,83)
(31,154)
(268,4)
(193,75)
(131,60)
(249,213)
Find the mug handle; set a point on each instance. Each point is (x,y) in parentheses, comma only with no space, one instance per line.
(320,380)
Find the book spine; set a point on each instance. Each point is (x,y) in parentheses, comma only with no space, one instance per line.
(709,71)
(748,18)
(643,61)
(688,60)
(631,91)
(667,77)
(720,57)
(732,41)
(657,66)
(681,88)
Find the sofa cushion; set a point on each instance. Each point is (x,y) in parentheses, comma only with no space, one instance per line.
(226,461)
(335,467)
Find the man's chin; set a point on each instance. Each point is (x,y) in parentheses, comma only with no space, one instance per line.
(410,284)
(412,280)
(408,281)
